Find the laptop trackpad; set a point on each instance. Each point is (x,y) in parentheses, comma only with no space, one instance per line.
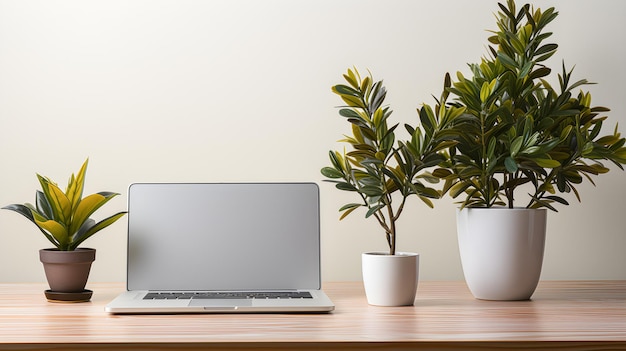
(220,303)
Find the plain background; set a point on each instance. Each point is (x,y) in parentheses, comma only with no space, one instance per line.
(239,90)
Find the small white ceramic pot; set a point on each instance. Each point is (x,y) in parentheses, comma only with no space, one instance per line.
(501,251)
(390,280)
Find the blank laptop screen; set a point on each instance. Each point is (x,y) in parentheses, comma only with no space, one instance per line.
(224,236)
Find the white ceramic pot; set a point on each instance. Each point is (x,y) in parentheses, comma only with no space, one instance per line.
(501,251)
(390,280)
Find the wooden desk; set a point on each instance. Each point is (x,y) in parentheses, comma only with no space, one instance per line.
(575,315)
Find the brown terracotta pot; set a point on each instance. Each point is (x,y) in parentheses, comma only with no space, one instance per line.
(67,271)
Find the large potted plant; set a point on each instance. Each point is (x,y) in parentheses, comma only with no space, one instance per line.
(517,134)
(64,219)
(382,173)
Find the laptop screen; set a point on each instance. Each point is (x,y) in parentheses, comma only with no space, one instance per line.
(223,236)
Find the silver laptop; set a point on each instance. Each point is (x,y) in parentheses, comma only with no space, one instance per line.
(223,247)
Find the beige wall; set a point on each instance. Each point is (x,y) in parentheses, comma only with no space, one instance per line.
(239,90)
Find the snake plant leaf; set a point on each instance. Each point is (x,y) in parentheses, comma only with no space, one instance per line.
(64,216)
(43,206)
(87,207)
(21,209)
(28,211)
(61,206)
(88,224)
(96,228)
(75,186)
(56,229)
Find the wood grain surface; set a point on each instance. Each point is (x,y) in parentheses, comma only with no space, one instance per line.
(581,315)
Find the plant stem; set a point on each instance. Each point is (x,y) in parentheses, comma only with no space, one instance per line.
(392,222)
(486,186)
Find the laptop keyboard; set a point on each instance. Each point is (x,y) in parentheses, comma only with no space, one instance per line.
(228,295)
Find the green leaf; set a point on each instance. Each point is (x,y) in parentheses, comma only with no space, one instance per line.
(547,163)
(485,92)
(378,117)
(353,101)
(587,148)
(21,209)
(56,229)
(349,113)
(347,212)
(526,69)
(332,173)
(74,191)
(539,73)
(60,204)
(546,49)
(516,145)
(506,60)
(96,228)
(351,78)
(458,188)
(557,199)
(441,173)
(43,207)
(346,90)
(371,191)
(491,148)
(510,164)
(345,187)
(87,207)
(373,210)
(427,201)
(349,206)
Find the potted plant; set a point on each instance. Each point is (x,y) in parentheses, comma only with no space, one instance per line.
(64,219)
(517,134)
(383,173)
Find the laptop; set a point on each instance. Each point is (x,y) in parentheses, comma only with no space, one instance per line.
(221,248)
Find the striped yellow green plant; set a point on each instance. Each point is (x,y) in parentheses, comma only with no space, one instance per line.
(64,217)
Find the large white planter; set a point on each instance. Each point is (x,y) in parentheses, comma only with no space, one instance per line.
(501,251)
(390,280)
